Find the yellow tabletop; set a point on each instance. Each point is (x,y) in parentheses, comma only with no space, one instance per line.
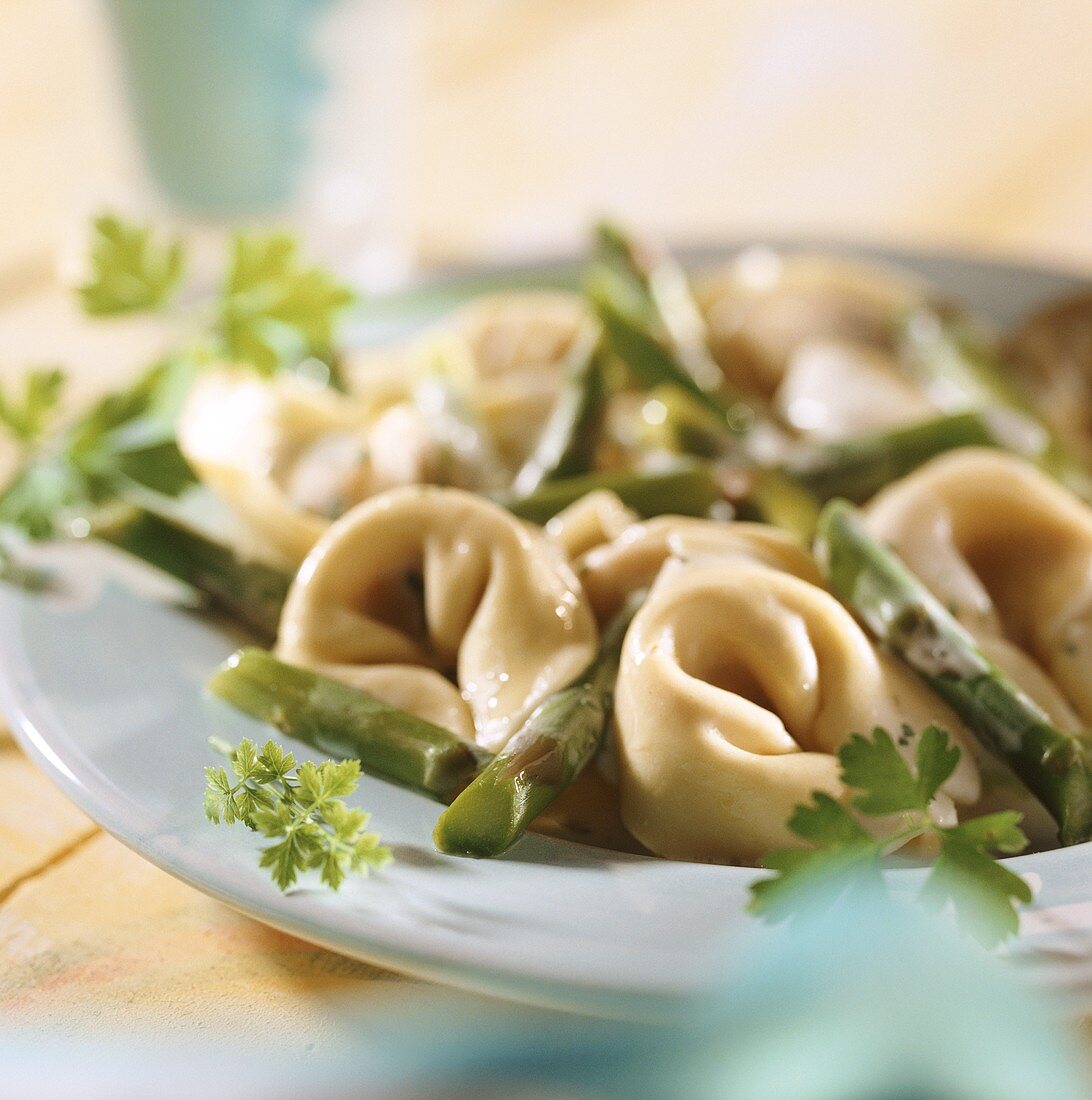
(959,125)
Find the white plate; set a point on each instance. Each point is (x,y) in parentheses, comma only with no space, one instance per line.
(101,682)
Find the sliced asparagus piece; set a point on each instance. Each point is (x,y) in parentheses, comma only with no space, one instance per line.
(789,496)
(568,441)
(248,591)
(659,277)
(346,723)
(654,326)
(859,468)
(901,612)
(672,420)
(959,370)
(543,757)
(686,489)
(777,498)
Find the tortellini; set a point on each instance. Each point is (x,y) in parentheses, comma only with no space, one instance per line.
(591,521)
(422,583)
(1010,553)
(505,351)
(287,455)
(738,682)
(631,561)
(1054,353)
(814,336)
(836,390)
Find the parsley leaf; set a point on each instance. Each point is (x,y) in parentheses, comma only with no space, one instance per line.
(275,311)
(839,868)
(126,439)
(936,760)
(842,852)
(130,270)
(827,822)
(979,888)
(878,769)
(27,416)
(998,832)
(313,829)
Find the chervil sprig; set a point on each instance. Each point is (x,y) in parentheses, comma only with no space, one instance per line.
(964,874)
(130,269)
(301,809)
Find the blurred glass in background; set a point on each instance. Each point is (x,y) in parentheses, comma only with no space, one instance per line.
(219,90)
(274,110)
(467,128)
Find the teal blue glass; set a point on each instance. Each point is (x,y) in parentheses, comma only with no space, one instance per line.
(220,92)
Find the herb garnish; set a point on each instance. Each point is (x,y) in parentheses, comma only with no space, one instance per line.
(125,440)
(27,416)
(273,312)
(303,812)
(982,891)
(130,270)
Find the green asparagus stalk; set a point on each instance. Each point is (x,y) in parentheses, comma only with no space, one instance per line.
(672,420)
(568,441)
(858,468)
(901,612)
(653,324)
(663,281)
(790,496)
(543,757)
(777,498)
(961,370)
(346,722)
(248,591)
(686,489)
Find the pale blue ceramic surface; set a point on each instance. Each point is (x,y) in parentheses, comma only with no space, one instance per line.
(101,682)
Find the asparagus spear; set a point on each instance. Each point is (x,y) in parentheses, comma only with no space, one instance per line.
(248,591)
(658,277)
(789,495)
(654,326)
(568,441)
(673,421)
(777,498)
(858,468)
(901,612)
(961,370)
(346,723)
(686,489)
(543,757)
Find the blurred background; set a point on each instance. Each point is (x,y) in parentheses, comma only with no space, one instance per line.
(401,135)
(464,128)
